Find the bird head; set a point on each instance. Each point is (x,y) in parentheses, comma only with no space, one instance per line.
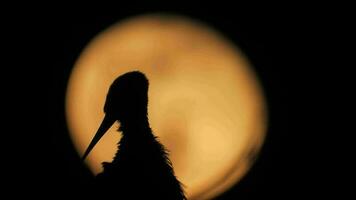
(125,102)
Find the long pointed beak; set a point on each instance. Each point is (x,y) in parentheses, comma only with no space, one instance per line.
(104,126)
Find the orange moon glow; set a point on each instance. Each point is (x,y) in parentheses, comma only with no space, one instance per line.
(205,102)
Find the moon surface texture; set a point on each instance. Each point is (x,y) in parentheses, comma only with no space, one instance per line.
(205,102)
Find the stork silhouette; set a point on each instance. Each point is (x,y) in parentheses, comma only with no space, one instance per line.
(141,168)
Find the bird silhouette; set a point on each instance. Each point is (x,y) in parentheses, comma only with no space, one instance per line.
(141,168)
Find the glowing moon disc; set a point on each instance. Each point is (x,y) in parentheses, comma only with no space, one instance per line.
(205,102)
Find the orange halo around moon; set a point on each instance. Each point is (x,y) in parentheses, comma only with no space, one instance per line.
(205,102)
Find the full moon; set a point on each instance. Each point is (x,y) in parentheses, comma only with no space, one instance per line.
(206,104)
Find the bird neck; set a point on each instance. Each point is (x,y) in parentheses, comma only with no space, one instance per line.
(134,126)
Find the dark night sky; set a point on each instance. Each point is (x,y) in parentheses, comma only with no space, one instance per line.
(275,41)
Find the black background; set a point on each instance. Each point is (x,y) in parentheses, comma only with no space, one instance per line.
(280,43)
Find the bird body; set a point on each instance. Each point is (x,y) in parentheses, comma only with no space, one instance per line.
(141,168)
